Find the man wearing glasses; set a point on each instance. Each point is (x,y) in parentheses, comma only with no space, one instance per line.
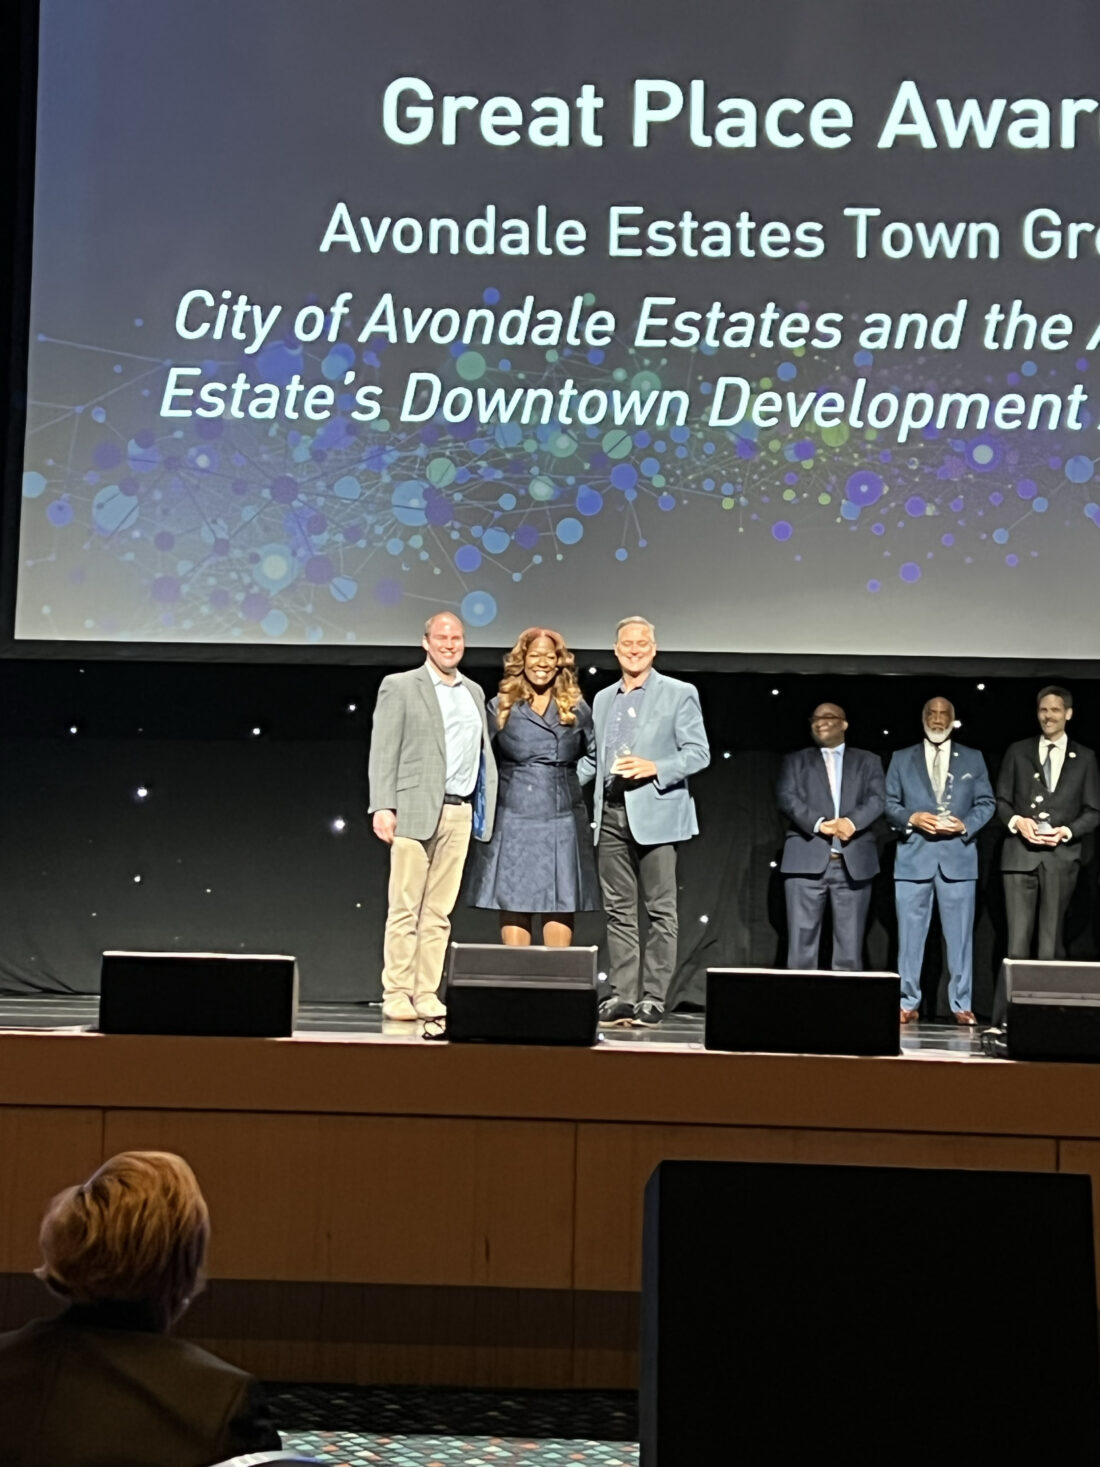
(832,795)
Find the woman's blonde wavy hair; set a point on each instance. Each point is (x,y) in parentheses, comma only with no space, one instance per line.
(135,1232)
(514,687)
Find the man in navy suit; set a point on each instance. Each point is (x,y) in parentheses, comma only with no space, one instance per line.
(938,797)
(1048,794)
(832,795)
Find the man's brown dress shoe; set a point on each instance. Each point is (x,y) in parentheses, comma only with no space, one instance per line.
(964,1016)
(910,1016)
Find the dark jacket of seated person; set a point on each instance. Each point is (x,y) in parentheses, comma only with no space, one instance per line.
(104,1384)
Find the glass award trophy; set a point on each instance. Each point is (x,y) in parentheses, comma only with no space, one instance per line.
(944,814)
(621,751)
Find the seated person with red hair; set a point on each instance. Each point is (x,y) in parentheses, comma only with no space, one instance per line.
(104,1382)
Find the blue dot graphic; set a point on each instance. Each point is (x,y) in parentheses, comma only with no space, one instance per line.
(467,560)
(864,487)
(624,476)
(478,609)
(782,530)
(408,500)
(569,530)
(910,572)
(1079,469)
(495,542)
(275,623)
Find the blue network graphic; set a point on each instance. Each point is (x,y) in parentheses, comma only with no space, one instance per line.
(136,528)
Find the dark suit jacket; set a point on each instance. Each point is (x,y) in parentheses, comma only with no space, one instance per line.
(1076,801)
(804,796)
(77,1392)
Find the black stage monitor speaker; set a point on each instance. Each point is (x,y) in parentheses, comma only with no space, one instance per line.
(785,1011)
(1052,1009)
(799,1313)
(521,995)
(248,996)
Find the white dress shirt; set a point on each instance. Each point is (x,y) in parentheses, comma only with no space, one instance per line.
(1057,748)
(461,733)
(834,772)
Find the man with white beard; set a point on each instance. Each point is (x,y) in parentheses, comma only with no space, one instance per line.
(938,797)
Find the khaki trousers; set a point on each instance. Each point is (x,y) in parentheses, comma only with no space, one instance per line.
(425,876)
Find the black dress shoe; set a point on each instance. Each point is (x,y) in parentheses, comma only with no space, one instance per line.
(649,1012)
(616,1012)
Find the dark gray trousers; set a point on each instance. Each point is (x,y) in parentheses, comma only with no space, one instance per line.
(627,871)
(806,897)
(1049,888)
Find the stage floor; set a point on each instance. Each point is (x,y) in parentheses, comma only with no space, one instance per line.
(364,1021)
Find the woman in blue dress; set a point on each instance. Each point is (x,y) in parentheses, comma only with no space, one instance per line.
(540,862)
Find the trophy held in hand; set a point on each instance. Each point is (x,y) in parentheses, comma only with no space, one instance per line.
(945,818)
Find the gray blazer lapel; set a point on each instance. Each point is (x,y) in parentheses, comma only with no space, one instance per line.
(651,701)
(601,707)
(427,691)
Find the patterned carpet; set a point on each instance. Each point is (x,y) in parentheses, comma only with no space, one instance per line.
(345,1426)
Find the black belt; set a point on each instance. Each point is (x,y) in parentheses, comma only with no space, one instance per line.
(457,799)
(614,791)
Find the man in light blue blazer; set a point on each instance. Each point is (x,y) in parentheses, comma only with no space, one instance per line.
(649,739)
(938,797)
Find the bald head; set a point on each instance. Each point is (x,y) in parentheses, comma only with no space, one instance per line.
(828,725)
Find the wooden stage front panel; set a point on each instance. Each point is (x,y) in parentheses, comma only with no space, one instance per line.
(393,1210)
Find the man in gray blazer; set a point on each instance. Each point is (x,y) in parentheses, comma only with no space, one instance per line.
(433,783)
(649,739)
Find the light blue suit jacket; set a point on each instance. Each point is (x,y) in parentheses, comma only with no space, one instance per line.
(908,789)
(669,731)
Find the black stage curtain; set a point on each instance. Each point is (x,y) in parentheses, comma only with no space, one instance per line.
(236,847)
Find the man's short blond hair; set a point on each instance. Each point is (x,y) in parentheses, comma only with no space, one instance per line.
(630,621)
(135,1233)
